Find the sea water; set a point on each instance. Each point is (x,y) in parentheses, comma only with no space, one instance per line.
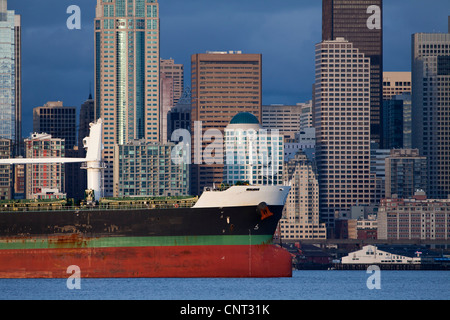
(304,285)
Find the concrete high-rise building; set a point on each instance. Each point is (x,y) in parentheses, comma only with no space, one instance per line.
(342,123)
(301,218)
(44,180)
(10,73)
(223,84)
(406,172)
(361,23)
(396,83)
(127,59)
(285,118)
(431,107)
(57,120)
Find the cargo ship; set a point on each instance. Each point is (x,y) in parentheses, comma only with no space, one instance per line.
(223,233)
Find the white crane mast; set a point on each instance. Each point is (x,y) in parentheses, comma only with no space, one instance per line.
(93,160)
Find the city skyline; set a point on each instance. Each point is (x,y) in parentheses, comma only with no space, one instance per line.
(67,56)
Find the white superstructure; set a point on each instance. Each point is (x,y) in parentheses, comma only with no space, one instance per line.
(237,196)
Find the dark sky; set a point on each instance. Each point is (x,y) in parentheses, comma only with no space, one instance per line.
(58,63)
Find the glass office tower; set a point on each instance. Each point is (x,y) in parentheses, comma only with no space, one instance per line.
(10,75)
(126,74)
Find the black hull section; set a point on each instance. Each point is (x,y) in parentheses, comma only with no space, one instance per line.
(142,222)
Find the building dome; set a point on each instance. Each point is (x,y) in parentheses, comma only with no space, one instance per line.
(244,118)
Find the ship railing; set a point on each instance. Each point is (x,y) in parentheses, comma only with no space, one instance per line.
(102,206)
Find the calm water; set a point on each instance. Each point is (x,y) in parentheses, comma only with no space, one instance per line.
(304,285)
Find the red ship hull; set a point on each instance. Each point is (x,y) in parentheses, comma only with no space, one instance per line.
(264,260)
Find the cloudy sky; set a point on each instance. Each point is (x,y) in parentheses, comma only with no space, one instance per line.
(58,63)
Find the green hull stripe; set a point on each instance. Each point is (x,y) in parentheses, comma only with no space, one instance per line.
(115,242)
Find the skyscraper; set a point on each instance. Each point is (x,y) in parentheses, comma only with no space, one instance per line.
(342,122)
(59,121)
(406,172)
(397,122)
(179,117)
(174,71)
(301,213)
(431,107)
(354,21)
(87,115)
(166,102)
(10,74)
(223,84)
(126,74)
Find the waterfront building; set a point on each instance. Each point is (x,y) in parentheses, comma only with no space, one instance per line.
(223,84)
(351,20)
(396,83)
(415,218)
(367,228)
(431,106)
(10,72)
(146,169)
(397,122)
(300,218)
(127,72)
(342,123)
(40,177)
(57,120)
(406,172)
(371,255)
(253,154)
